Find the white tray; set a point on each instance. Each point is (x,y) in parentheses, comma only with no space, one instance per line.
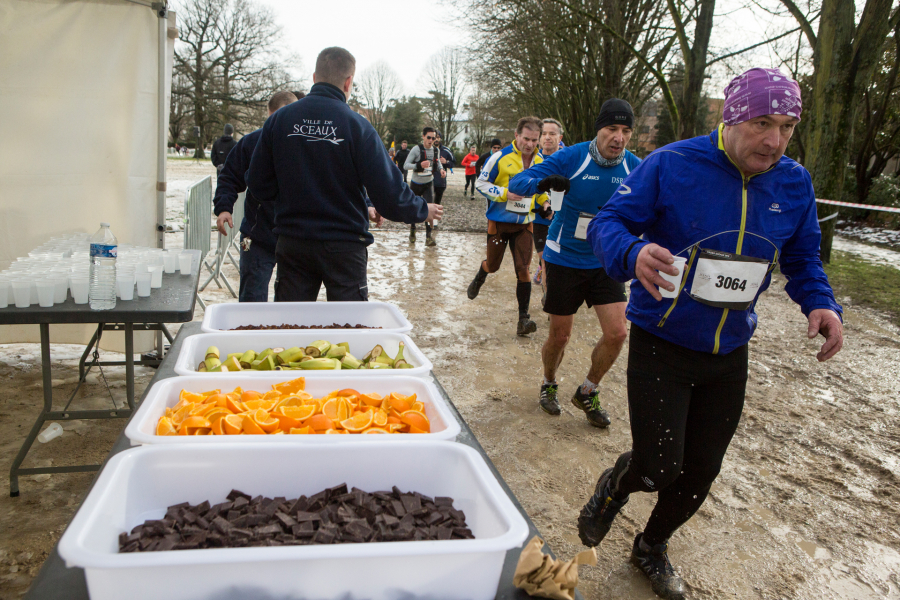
(142,427)
(139,484)
(223,317)
(194,350)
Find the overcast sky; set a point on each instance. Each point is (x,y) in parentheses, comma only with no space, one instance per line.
(404,33)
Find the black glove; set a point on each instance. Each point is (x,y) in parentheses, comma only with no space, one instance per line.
(557,183)
(543,210)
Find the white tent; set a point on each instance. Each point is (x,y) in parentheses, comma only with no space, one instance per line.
(84,94)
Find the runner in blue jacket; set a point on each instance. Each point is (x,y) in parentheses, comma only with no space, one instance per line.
(735,208)
(589,173)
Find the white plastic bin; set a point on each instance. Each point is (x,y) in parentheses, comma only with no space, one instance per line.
(361,342)
(139,484)
(223,317)
(142,427)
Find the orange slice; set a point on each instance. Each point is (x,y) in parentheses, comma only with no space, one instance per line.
(301,413)
(254,404)
(285,423)
(248,395)
(218,426)
(358,423)
(200,431)
(294,400)
(181,414)
(271,394)
(250,426)
(210,392)
(201,410)
(417,430)
(400,403)
(393,419)
(418,407)
(220,400)
(397,427)
(380,419)
(165,427)
(188,426)
(371,399)
(330,409)
(238,390)
(375,430)
(344,409)
(320,422)
(186,396)
(234,406)
(333,431)
(232,424)
(265,422)
(290,387)
(300,430)
(416,419)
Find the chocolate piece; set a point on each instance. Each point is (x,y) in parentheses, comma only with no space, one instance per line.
(235,494)
(285,520)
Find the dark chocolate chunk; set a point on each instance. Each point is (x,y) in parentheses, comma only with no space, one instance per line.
(240,503)
(307,516)
(235,494)
(222,526)
(410,503)
(285,520)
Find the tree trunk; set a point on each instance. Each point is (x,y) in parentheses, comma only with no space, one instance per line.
(695,73)
(199,104)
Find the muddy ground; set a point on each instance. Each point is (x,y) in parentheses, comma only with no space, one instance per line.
(806,506)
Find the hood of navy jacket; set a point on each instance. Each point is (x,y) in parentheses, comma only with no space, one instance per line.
(316,160)
(689,195)
(258,220)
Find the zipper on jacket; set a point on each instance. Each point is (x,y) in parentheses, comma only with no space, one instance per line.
(687,271)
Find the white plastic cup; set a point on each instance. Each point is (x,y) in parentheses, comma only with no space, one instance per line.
(556,200)
(156,273)
(143,284)
(5,285)
(170,261)
(80,287)
(22,292)
(673,279)
(184,263)
(61,287)
(46,290)
(125,285)
(54,430)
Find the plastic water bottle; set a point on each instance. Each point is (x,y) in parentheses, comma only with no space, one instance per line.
(104,248)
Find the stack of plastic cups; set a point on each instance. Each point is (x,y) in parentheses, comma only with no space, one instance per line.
(46,290)
(125,282)
(170,262)
(79,284)
(142,280)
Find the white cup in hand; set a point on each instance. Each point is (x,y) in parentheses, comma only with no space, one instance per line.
(673,279)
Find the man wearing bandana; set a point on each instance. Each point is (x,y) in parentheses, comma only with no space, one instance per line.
(589,173)
(735,208)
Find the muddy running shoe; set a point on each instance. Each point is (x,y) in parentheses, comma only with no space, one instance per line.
(597,515)
(549,402)
(412,237)
(429,241)
(475,286)
(525,326)
(471,197)
(590,404)
(656,566)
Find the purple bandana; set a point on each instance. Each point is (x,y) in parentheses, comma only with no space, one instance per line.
(759,92)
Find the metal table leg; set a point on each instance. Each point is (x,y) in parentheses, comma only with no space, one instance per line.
(129,364)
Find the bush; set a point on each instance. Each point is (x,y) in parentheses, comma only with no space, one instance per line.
(884,191)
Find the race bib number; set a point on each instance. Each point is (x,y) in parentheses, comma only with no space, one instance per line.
(727,280)
(581,227)
(519,206)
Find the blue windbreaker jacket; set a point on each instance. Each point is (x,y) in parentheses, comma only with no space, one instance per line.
(590,187)
(690,193)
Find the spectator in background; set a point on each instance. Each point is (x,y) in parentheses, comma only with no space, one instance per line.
(400,159)
(423,162)
(299,94)
(440,179)
(494,148)
(469,163)
(222,146)
(258,240)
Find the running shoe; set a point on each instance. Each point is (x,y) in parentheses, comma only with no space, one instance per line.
(597,515)
(471,197)
(590,404)
(525,326)
(412,237)
(549,402)
(536,278)
(429,241)
(656,566)
(476,284)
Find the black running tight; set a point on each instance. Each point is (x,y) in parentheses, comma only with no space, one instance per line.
(684,407)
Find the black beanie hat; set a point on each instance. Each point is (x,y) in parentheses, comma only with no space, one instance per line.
(614,111)
(495,142)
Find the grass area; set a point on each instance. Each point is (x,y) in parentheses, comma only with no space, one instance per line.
(867,284)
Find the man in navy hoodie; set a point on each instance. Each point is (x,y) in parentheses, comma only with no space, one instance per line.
(317,161)
(257,259)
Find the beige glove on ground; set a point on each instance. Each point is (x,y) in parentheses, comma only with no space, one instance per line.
(545,577)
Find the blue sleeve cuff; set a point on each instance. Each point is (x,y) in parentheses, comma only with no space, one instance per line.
(822,301)
(630,258)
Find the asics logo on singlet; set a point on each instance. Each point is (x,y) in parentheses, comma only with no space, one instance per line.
(591,177)
(624,189)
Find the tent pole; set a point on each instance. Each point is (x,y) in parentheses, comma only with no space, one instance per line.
(162,13)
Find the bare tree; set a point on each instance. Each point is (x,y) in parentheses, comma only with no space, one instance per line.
(446,79)
(378,86)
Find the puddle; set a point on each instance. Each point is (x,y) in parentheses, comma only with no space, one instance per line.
(814,550)
(764,472)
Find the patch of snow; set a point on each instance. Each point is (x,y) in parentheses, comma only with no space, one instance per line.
(873,254)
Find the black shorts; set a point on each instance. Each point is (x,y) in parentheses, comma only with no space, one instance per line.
(540,236)
(568,288)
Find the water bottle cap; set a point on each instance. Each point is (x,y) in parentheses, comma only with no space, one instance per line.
(104,224)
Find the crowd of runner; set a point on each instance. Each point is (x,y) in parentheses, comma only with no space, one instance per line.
(716,214)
